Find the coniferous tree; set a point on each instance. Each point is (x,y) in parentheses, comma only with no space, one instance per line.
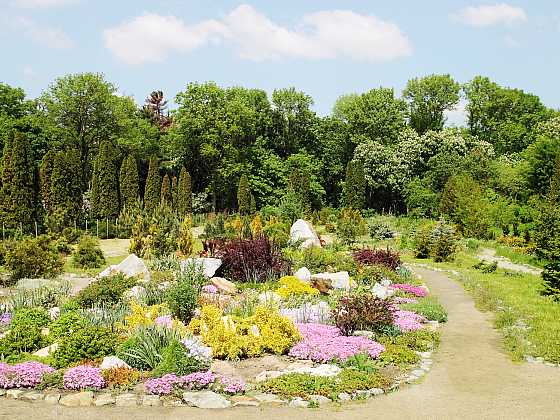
(153,186)
(354,186)
(166,193)
(244,196)
(17,193)
(105,187)
(129,182)
(66,190)
(253,204)
(45,173)
(299,183)
(548,236)
(184,194)
(174,192)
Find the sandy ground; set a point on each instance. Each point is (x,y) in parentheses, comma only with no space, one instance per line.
(472,378)
(489,255)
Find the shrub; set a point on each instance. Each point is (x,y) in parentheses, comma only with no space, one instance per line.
(422,241)
(176,359)
(318,260)
(350,225)
(34,257)
(380,230)
(439,242)
(419,340)
(362,312)
(185,242)
(156,234)
(71,235)
(182,296)
(486,268)
(54,380)
(253,260)
(88,254)
(106,290)
(386,257)
(87,343)
(398,355)
(354,380)
(67,323)
(551,279)
(371,274)
(277,232)
(292,286)
(121,377)
(25,332)
(83,377)
(429,308)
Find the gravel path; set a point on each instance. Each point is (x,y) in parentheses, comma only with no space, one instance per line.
(489,255)
(472,378)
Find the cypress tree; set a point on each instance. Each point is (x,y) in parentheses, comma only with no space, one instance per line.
(129,182)
(105,187)
(166,193)
(253,204)
(354,186)
(184,193)
(174,192)
(45,173)
(17,193)
(244,196)
(153,186)
(299,183)
(66,190)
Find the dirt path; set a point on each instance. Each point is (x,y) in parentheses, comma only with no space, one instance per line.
(472,378)
(489,255)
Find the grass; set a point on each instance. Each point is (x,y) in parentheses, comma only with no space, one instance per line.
(529,322)
(91,272)
(518,257)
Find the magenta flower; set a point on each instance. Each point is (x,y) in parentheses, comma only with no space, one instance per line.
(408,321)
(232,385)
(161,386)
(210,289)
(22,375)
(82,377)
(414,290)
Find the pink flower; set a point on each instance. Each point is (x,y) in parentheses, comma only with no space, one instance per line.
(164,321)
(161,386)
(232,385)
(210,289)
(22,375)
(408,321)
(400,300)
(414,290)
(82,377)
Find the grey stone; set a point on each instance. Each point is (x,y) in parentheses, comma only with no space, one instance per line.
(32,396)
(45,351)
(126,400)
(298,403)
(362,395)
(376,391)
(339,280)
(205,399)
(172,402)
(244,401)
(302,231)
(151,401)
(320,400)
(131,266)
(208,265)
(418,372)
(343,396)
(14,394)
(52,398)
(303,274)
(110,362)
(268,398)
(79,399)
(104,399)
(2,392)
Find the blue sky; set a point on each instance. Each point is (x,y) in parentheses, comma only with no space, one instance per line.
(324,47)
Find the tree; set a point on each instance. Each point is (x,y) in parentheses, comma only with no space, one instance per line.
(17,195)
(166,193)
(184,194)
(105,186)
(354,186)
(155,108)
(66,191)
(153,186)
(244,196)
(428,98)
(45,173)
(129,182)
(174,191)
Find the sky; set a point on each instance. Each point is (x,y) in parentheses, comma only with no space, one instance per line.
(325,48)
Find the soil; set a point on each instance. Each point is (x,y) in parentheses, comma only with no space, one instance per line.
(472,378)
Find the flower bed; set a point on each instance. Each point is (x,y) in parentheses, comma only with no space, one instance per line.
(194,381)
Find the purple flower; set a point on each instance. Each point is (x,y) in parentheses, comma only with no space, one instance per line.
(161,386)
(23,375)
(408,321)
(197,380)
(82,377)
(232,385)
(324,343)
(5,319)
(164,321)
(414,290)
(210,289)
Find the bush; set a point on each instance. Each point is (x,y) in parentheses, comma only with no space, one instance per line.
(175,359)
(350,225)
(253,260)
(88,254)
(486,268)
(67,323)
(34,257)
(185,242)
(121,377)
(419,340)
(437,241)
(52,380)
(428,308)
(371,274)
(71,235)
(551,279)
(182,296)
(292,286)
(398,355)
(380,230)
(106,290)
(319,260)
(88,343)
(386,257)
(362,312)
(155,235)
(25,332)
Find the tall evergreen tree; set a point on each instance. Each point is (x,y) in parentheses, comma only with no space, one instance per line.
(166,193)
(354,193)
(153,186)
(105,187)
(548,236)
(129,182)
(174,191)
(299,182)
(66,190)
(45,173)
(184,193)
(17,195)
(244,196)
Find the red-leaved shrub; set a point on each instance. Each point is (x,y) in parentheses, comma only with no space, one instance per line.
(253,260)
(385,257)
(362,312)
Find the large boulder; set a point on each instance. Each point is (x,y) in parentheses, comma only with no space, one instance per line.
(131,266)
(303,274)
(205,399)
(224,286)
(208,265)
(324,282)
(111,362)
(302,231)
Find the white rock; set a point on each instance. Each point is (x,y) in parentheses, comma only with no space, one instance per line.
(45,351)
(268,374)
(135,292)
(269,297)
(205,399)
(303,231)
(320,400)
(367,334)
(131,266)
(104,399)
(79,399)
(298,403)
(340,280)
(224,286)
(54,313)
(376,391)
(303,274)
(208,265)
(343,396)
(110,362)
(382,290)
(321,370)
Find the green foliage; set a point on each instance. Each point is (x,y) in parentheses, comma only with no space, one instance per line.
(244,196)
(429,308)
(174,359)
(88,343)
(25,332)
(104,184)
(54,380)
(88,254)
(182,296)
(350,225)
(185,243)
(166,192)
(66,190)
(67,323)
(419,340)
(398,355)
(184,194)
(290,207)
(354,186)
(34,257)
(156,234)
(152,192)
(129,182)
(106,290)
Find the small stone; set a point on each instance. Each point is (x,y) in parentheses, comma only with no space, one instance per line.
(224,286)
(172,402)
(45,351)
(418,372)
(343,396)
(110,362)
(2,392)
(104,399)
(223,367)
(126,400)
(32,396)
(151,401)
(14,394)
(205,399)
(367,334)
(79,399)
(268,399)
(267,374)
(376,391)
(244,401)
(424,355)
(319,400)
(52,398)
(362,395)
(298,403)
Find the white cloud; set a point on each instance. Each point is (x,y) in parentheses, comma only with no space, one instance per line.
(321,35)
(43,4)
(28,72)
(457,117)
(46,35)
(491,15)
